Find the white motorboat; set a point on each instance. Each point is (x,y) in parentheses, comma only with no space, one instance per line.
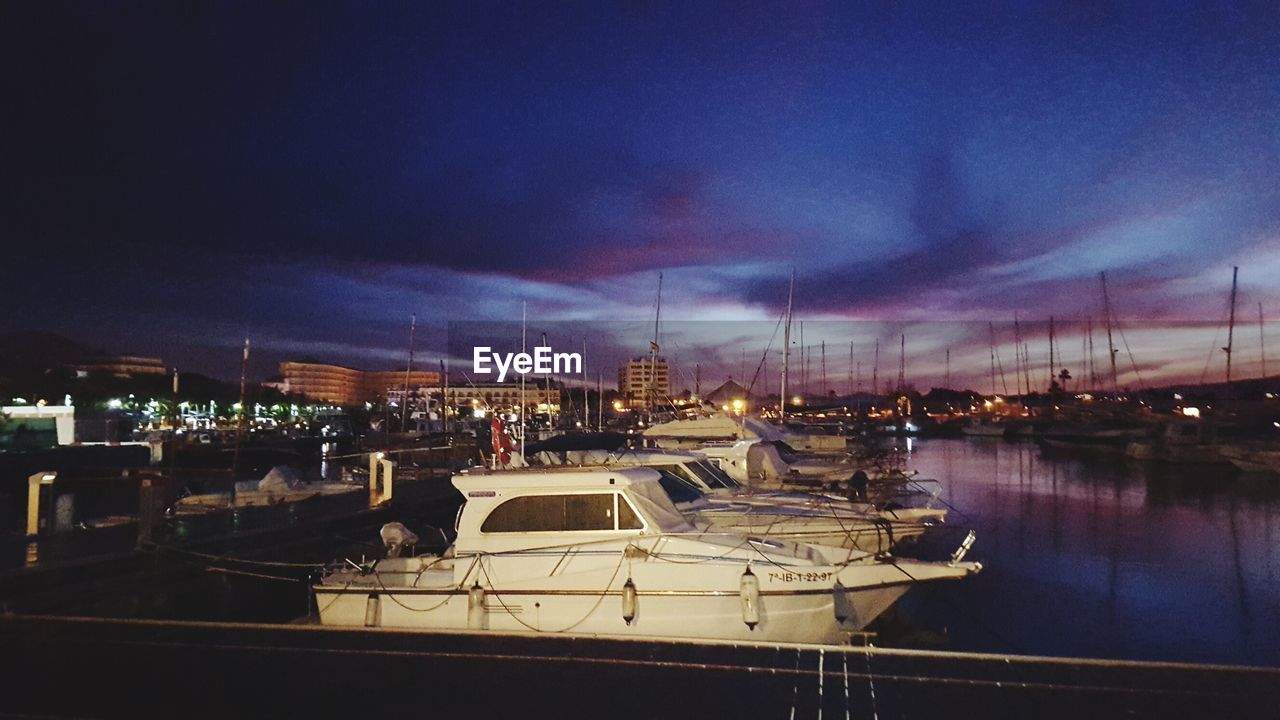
(687,433)
(279,486)
(604,552)
(710,499)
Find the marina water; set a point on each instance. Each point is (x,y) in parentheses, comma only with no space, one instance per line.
(1091,554)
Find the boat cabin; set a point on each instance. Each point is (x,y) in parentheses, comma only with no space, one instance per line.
(517,510)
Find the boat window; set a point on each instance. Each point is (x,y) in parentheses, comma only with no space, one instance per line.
(588,512)
(679,471)
(677,488)
(557,513)
(533,513)
(627,518)
(712,475)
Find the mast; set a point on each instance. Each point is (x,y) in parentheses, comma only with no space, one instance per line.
(875,372)
(786,350)
(1026,366)
(946,381)
(824,368)
(1262,341)
(804,365)
(902,364)
(1231,324)
(444,397)
(600,401)
(851,363)
(1111,345)
(1017,357)
(991,328)
(586,404)
(1051,360)
(653,353)
(235,457)
(408,370)
(1093,367)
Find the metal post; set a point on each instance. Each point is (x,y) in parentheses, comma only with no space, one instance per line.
(35,488)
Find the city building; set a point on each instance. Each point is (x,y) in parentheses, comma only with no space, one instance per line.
(339,385)
(504,397)
(124,366)
(644,381)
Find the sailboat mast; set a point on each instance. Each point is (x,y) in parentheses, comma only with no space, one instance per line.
(824,368)
(1051,360)
(991,329)
(1111,345)
(444,397)
(1231,323)
(1093,367)
(408,373)
(586,402)
(786,349)
(851,358)
(902,364)
(875,371)
(653,353)
(235,458)
(1262,341)
(1017,356)
(946,382)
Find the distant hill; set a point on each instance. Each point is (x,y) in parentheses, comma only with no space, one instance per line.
(38,351)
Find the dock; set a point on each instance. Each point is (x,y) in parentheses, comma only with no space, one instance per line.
(78,667)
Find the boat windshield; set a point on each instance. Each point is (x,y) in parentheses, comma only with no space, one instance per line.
(654,503)
(679,489)
(713,476)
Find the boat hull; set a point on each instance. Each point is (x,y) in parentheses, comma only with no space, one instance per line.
(792,618)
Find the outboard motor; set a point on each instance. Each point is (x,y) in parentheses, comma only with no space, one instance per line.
(395,536)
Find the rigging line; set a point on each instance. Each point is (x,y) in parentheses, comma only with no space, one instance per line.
(244,561)
(964,611)
(392,594)
(765,356)
(336,597)
(1132,361)
(871,683)
(622,556)
(245,573)
(1213,347)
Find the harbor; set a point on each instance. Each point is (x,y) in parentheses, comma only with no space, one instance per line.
(613,360)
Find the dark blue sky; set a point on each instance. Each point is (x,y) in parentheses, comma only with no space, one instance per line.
(180,175)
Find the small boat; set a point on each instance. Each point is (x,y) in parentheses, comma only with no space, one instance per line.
(281,485)
(985,427)
(604,552)
(1188,441)
(1261,457)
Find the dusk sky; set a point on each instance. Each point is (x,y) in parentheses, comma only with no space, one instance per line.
(181,175)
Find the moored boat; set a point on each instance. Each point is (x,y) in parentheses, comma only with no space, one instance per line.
(604,552)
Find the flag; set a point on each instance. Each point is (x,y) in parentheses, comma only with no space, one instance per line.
(501,441)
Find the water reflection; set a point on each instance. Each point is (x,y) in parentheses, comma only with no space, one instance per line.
(1097,555)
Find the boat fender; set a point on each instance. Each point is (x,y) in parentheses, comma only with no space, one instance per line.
(749,592)
(372,611)
(840,602)
(476,611)
(629,601)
